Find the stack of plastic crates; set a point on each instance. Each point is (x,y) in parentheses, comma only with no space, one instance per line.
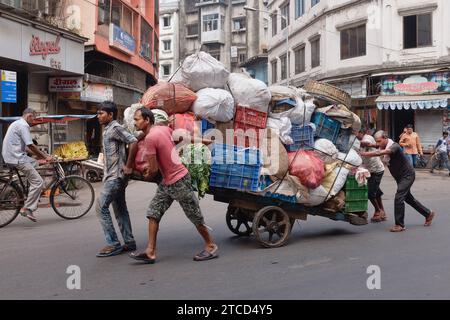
(326,127)
(247,125)
(356,197)
(303,137)
(234,167)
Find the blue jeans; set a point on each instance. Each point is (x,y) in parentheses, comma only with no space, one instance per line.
(412,159)
(114,193)
(443,157)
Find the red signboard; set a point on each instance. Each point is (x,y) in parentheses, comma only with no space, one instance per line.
(44,48)
(416,88)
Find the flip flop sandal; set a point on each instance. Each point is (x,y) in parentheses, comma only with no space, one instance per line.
(109,252)
(142,257)
(397,229)
(205,255)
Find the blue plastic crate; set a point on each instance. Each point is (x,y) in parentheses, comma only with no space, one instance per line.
(326,127)
(343,139)
(232,154)
(303,138)
(206,125)
(234,167)
(265,181)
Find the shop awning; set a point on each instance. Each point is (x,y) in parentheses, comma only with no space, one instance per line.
(413,102)
(52,118)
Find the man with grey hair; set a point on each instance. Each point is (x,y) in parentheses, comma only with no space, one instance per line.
(403,172)
(14,151)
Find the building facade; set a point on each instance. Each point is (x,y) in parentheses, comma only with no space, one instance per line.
(121,59)
(392,56)
(232,35)
(36,47)
(169,39)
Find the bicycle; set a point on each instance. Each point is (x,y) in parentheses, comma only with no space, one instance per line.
(71,197)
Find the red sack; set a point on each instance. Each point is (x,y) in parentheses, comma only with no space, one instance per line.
(170,97)
(309,168)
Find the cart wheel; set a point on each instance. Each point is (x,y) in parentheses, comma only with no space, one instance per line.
(92,176)
(271,226)
(238,222)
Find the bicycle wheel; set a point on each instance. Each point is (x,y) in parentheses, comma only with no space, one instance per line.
(11,200)
(72,197)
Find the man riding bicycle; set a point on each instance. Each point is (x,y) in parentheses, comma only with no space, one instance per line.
(14,151)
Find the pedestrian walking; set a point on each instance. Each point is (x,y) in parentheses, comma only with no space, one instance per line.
(376,169)
(410,141)
(115,138)
(14,151)
(160,154)
(442,149)
(404,174)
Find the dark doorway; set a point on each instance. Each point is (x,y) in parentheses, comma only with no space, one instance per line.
(399,120)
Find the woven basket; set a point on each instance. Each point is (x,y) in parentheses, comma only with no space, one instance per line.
(328,92)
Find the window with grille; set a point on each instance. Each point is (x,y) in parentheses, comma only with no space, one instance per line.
(210,22)
(167,45)
(146,40)
(284,10)
(417,31)
(192,29)
(315,53)
(274,71)
(353,42)
(299,55)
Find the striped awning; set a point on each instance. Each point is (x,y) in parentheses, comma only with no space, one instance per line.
(413,102)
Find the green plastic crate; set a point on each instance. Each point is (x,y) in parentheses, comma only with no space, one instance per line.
(356,197)
(356,206)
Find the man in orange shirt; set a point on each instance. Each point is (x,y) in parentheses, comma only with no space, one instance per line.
(412,147)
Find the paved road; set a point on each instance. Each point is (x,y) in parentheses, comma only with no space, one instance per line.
(324,259)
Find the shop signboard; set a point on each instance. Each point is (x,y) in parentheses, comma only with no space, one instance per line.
(430,83)
(122,40)
(65,84)
(8,86)
(97,92)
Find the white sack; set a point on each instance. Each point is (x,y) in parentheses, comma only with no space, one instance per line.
(214,104)
(353,158)
(201,70)
(282,128)
(326,146)
(249,92)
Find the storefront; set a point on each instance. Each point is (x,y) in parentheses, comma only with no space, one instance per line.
(363,104)
(30,53)
(417,99)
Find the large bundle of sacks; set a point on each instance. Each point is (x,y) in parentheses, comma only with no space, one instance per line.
(303,141)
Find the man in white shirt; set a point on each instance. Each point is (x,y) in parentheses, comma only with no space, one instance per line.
(14,151)
(376,169)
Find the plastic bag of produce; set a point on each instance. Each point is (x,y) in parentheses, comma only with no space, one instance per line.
(307,167)
(282,127)
(214,104)
(249,92)
(170,97)
(197,159)
(201,71)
